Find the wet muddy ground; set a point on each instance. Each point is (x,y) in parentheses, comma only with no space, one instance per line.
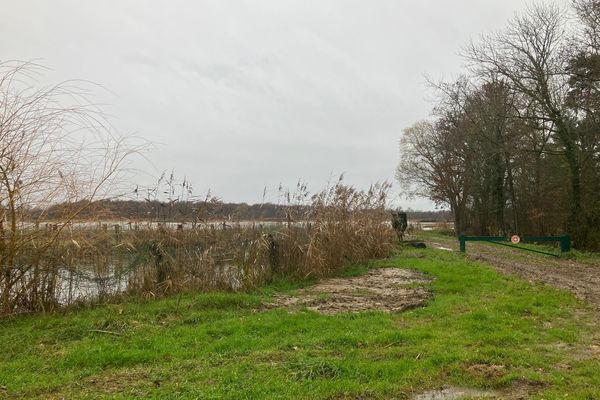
(520,390)
(453,393)
(580,278)
(384,289)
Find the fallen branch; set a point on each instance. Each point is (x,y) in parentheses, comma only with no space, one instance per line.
(107,332)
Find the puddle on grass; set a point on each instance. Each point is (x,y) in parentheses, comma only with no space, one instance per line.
(453,393)
(440,247)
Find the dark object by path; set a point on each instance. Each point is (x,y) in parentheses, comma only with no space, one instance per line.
(399,223)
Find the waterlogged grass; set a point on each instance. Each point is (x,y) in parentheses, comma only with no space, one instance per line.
(480,330)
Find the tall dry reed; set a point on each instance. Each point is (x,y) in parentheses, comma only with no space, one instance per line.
(95,263)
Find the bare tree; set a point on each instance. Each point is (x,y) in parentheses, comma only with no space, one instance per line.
(588,12)
(55,147)
(485,109)
(530,55)
(522,128)
(433,164)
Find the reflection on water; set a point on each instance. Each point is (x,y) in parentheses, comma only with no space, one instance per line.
(94,266)
(82,285)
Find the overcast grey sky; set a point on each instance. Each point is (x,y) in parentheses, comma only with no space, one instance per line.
(239,95)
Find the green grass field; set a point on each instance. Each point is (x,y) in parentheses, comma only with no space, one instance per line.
(479,330)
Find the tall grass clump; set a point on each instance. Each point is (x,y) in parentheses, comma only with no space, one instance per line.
(344,225)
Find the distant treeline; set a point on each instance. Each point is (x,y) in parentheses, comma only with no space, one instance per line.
(430,216)
(106,210)
(172,211)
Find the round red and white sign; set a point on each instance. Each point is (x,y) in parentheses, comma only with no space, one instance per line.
(515,239)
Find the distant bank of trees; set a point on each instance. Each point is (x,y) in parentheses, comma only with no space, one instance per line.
(513,145)
(158,211)
(188,211)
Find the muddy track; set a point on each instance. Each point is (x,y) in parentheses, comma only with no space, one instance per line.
(582,279)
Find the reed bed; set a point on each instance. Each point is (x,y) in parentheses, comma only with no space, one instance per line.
(98,263)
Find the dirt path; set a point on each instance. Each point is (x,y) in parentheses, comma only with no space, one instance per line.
(386,289)
(581,278)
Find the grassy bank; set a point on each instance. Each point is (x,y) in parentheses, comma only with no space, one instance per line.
(480,330)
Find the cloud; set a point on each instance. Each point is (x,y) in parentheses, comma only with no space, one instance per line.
(243,94)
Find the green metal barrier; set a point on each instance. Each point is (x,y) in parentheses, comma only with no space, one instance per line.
(565,242)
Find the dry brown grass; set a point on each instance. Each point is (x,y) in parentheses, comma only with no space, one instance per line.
(342,225)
